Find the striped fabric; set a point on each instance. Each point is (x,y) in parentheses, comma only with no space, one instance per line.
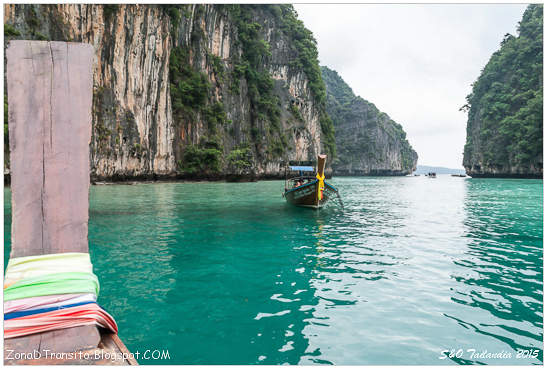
(48,292)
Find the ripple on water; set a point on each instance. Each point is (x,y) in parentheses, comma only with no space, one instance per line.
(223,273)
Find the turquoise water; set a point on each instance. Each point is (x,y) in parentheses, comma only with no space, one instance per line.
(225,273)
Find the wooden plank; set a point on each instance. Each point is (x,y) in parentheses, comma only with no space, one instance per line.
(50,93)
(113,342)
(106,354)
(70,339)
(66,152)
(49,96)
(85,337)
(28,82)
(321,161)
(110,351)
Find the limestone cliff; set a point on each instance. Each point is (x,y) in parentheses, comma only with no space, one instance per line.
(207,91)
(505,109)
(368,141)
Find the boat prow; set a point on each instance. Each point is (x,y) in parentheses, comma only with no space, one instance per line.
(309,191)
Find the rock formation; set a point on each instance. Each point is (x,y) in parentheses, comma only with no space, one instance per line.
(206,91)
(368,141)
(505,109)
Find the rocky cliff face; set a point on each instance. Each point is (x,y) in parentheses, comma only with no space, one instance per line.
(206,91)
(368,141)
(505,121)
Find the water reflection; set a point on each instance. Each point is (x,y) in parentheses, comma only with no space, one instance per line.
(132,255)
(242,288)
(501,272)
(352,261)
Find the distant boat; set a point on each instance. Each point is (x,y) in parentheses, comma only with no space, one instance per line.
(459,175)
(307,190)
(431,175)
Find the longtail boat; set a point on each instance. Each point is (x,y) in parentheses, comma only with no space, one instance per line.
(307,190)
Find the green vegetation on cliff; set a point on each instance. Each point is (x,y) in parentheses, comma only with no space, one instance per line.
(192,99)
(192,91)
(265,104)
(240,159)
(305,46)
(204,159)
(505,124)
(189,88)
(244,91)
(366,138)
(256,49)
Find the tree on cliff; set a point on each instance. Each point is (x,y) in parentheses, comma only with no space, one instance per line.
(505,122)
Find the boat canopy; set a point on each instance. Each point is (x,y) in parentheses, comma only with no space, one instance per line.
(302,168)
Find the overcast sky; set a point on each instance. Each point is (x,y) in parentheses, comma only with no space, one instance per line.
(414,62)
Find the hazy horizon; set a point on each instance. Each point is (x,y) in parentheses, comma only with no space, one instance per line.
(415,62)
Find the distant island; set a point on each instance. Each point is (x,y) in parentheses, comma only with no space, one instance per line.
(505,109)
(368,141)
(424,169)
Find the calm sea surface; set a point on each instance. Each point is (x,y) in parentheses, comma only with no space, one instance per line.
(225,273)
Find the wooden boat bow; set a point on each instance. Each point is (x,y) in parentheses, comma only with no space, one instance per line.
(307,190)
